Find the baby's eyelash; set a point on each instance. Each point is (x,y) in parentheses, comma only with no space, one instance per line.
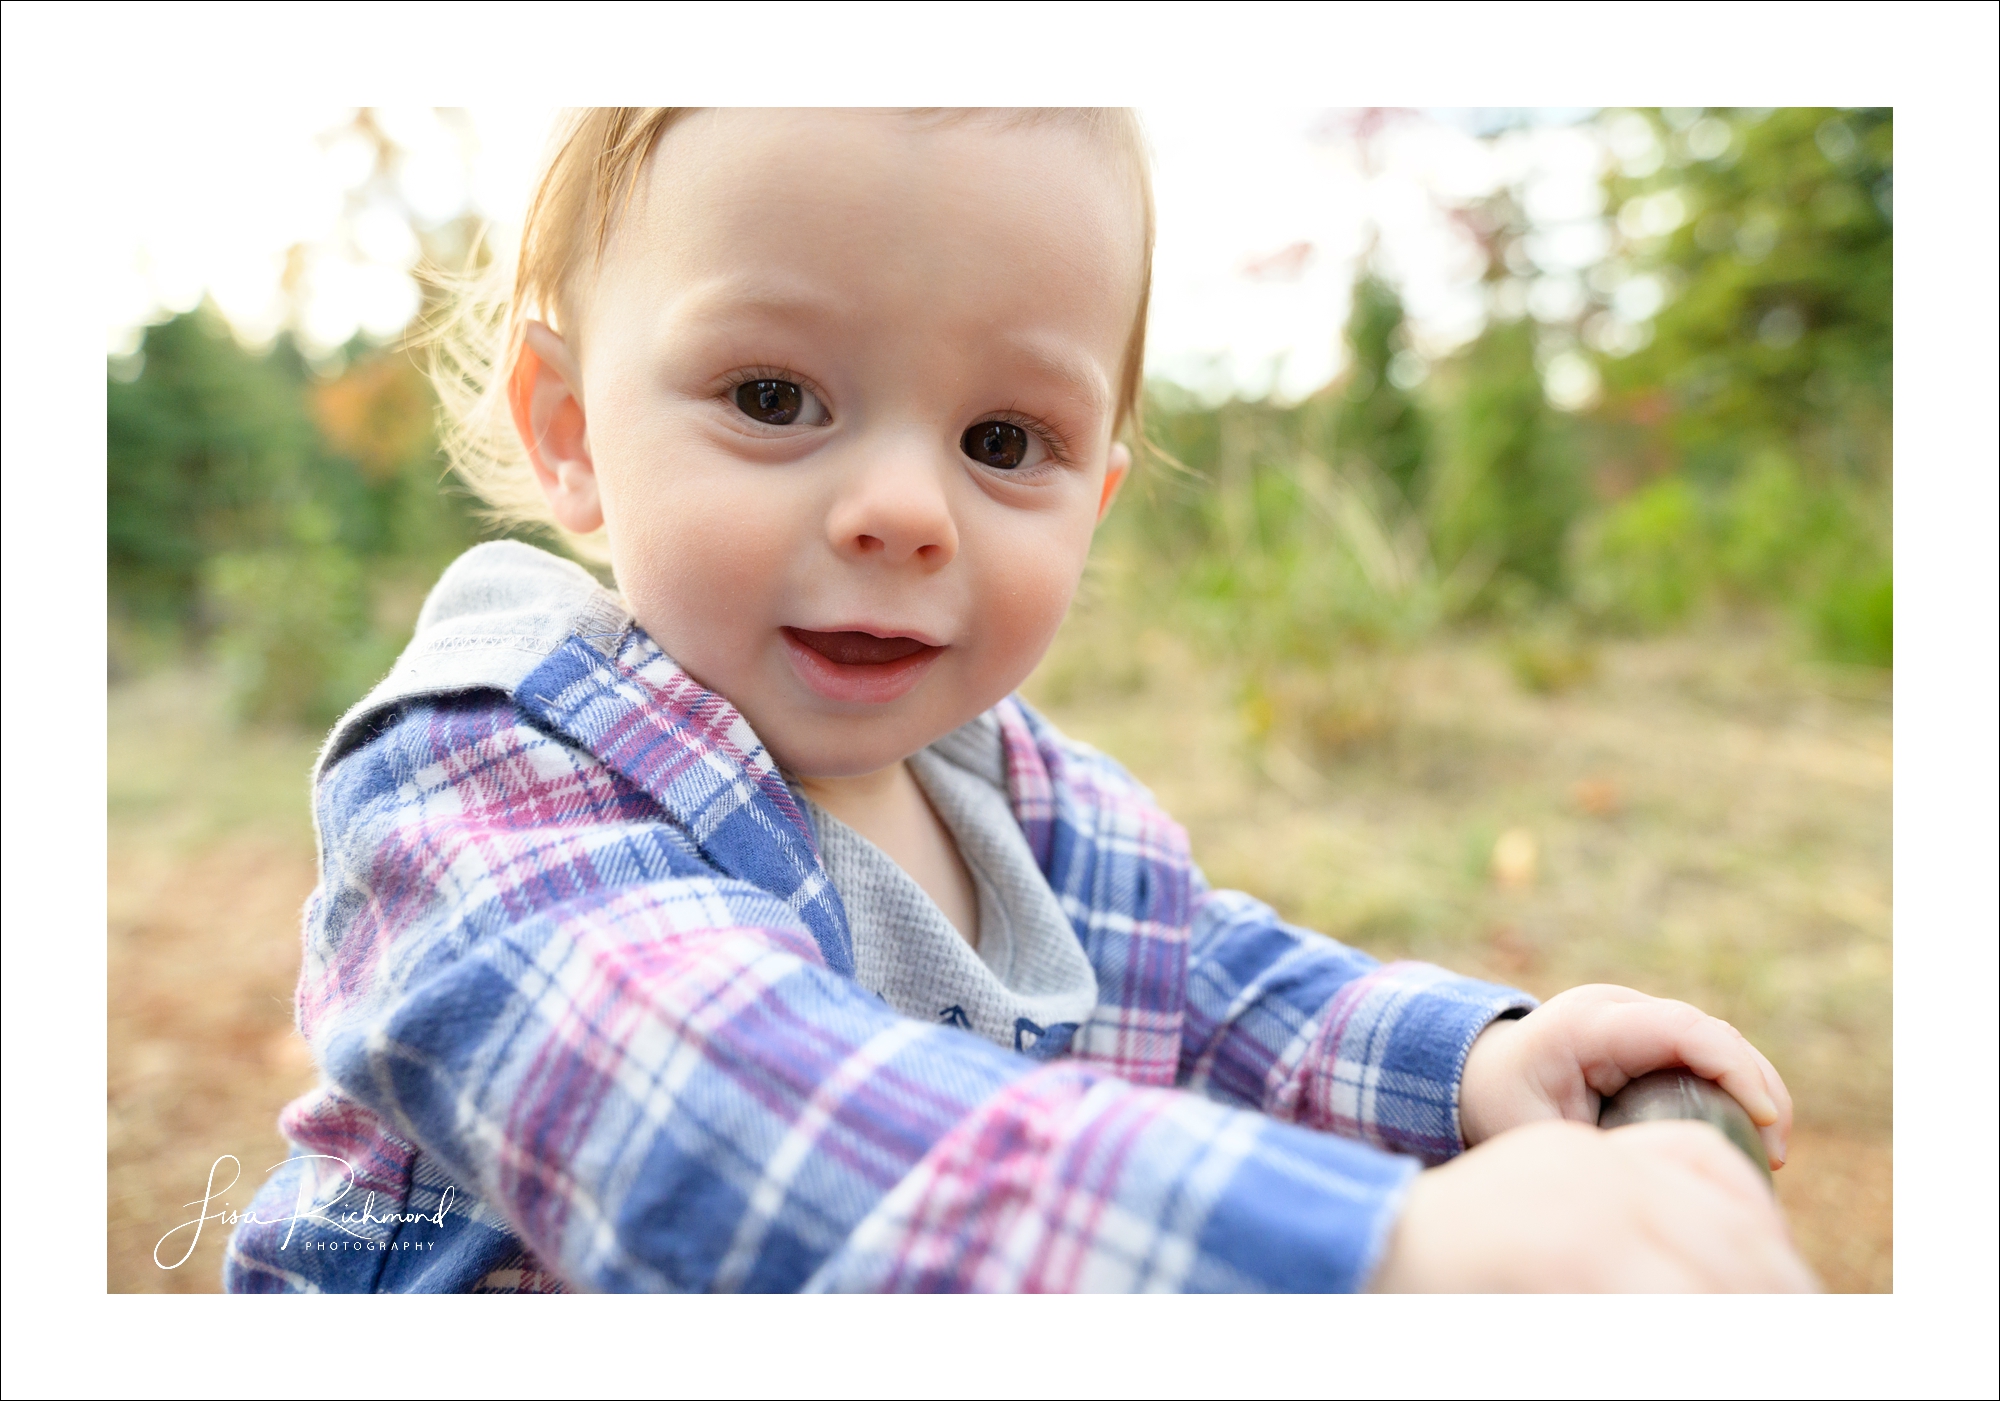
(737,378)
(1050,435)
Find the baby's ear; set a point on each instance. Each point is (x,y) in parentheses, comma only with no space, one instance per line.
(1116,466)
(545,392)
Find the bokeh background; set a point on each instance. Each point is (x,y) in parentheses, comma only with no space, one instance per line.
(1509,585)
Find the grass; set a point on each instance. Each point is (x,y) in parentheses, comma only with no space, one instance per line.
(1702,816)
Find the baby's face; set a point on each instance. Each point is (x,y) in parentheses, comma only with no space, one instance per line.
(847,386)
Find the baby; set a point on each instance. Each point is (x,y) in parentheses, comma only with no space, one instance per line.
(742,930)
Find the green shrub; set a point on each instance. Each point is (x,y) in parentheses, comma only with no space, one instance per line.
(1548,658)
(1297,562)
(1854,619)
(294,635)
(1376,423)
(1770,540)
(1769,526)
(200,450)
(1508,486)
(1647,561)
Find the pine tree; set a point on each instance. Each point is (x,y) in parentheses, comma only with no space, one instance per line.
(1511,487)
(1378,422)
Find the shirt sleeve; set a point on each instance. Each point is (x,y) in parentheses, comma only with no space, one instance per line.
(1289,1022)
(647,1069)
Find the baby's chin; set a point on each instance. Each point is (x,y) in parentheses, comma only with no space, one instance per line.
(820,727)
(809,743)
(836,750)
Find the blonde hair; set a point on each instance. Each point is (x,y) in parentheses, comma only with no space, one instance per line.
(594,161)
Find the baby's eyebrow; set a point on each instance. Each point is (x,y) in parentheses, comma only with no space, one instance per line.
(1051,361)
(1076,375)
(776,301)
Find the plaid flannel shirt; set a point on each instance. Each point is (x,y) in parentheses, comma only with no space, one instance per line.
(581,994)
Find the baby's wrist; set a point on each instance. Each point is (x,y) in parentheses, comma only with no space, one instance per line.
(1481,1091)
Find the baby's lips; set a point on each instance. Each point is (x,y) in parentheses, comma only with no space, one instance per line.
(855,648)
(852,667)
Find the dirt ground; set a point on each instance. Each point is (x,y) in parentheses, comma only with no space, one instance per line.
(211,857)
(1702,818)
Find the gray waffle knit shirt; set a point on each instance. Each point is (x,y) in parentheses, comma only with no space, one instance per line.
(1028,986)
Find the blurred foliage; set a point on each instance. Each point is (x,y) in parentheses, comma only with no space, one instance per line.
(1275,549)
(1737,456)
(294,634)
(1776,328)
(1297,572)
(1550,655)
(284,518)
(1508,484)
(1755,420)
(205,446)
(287,517)
(1378,422)
(1510,488)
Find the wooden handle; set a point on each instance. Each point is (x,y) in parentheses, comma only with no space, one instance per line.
(1682,1094)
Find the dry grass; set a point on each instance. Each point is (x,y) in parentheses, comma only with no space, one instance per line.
(1706,819)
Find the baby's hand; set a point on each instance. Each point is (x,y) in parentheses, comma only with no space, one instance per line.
(1652,1207)
(1560,1060)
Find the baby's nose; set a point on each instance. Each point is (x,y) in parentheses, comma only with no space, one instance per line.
(895,509)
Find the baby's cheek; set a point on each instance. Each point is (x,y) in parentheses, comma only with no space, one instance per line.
(696,574)
(1024,596)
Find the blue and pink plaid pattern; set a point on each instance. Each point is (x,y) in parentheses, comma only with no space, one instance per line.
(581,995)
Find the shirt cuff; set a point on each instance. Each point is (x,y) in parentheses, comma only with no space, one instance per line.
(1391,1055)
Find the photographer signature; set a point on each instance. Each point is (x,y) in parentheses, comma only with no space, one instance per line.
(307,1210)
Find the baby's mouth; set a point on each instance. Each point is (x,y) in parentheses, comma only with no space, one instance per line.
(858,648)
(859,667)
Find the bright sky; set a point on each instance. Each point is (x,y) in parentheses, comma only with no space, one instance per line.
(1263,215)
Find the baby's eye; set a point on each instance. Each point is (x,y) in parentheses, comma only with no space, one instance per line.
(779,402)
(996,444)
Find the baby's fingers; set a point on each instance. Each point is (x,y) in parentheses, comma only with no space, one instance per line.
(1642,1036)
(1717,1051)
(1777,1136)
